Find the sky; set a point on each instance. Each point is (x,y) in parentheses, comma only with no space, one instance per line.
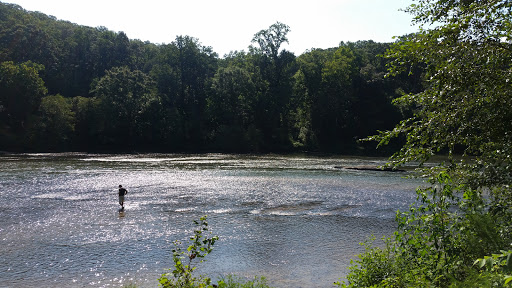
(229,25)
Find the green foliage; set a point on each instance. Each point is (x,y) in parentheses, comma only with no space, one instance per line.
(464,109)
(271,39)
(87,123)
(21,90)
(375,266)
(56,123)
(180,96)
(232,281)
(483,279)
(499,265)
(201,244)
(231,106)
(436,243)
(127,97)
(332,113)
(465,106)
(183,71)
(338,93)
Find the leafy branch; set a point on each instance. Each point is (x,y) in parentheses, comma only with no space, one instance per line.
(201,245)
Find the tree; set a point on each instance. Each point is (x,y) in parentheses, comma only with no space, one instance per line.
(306,90)
(21,90)
(109,50)
(182,72)
(277,68)
(291,110)
(88,123)
(56,124)
(126,96)
(332,111)
(270,40)
(466,104)
(201,244)
(231,106)
(465,108)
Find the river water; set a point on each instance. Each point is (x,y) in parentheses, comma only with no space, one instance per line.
(296,220)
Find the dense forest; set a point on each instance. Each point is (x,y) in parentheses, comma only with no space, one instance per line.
(66,87)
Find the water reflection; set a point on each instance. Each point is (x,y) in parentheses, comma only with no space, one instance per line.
(296,220)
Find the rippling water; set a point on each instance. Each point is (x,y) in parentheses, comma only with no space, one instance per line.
(295,220)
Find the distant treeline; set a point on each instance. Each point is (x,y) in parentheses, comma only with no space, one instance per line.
(66,87)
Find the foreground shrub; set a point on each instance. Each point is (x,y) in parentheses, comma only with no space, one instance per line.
(201,244)
(437,242)
(232,281)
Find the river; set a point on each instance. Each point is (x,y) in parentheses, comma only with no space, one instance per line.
(297,220)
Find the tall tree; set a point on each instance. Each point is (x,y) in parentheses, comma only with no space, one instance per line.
(182,74)
(307,87)
(231,105)
(76,58)
(277,68)
(465,49)
(332,113)
(466,104)
(21,90)
(56,124)
(126,96)
(88,123)
(271,39)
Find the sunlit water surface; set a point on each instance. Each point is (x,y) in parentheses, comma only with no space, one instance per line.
(295,220)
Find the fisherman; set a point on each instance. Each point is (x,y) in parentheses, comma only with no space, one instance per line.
(122,192)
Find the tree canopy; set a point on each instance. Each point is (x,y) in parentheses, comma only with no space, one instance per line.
(466,104)
(459,232)
(21,91)
(129,95)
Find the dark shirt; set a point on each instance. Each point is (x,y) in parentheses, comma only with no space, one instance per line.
(122,191)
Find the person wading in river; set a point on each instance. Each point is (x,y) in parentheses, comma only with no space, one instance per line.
(122,192)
